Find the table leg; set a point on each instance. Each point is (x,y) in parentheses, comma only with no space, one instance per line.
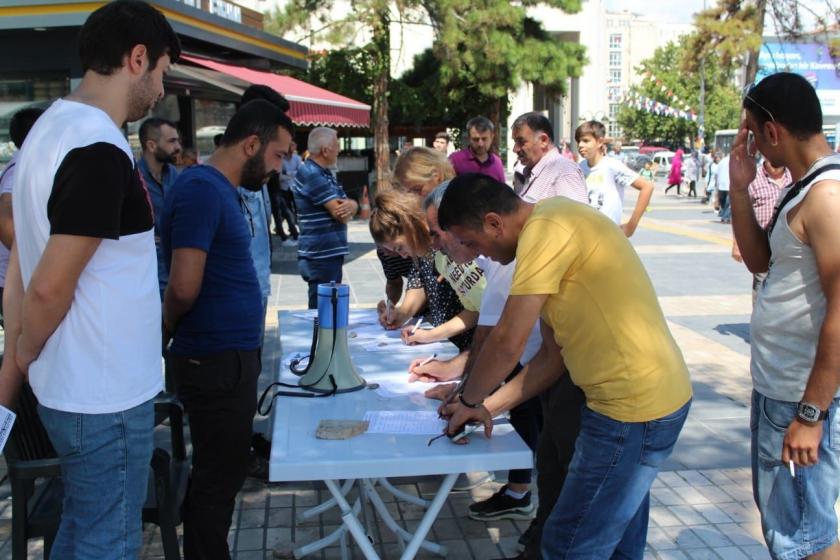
(402,495)
(339,534)
(431,514)
(350,521)
(324,506)
(403,536)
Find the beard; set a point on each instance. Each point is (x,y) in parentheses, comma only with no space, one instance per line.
(141,99)
(254,173)
(164,157)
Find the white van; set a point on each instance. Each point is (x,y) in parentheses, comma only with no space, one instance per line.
(663,163)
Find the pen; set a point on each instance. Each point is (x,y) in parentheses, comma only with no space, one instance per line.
(427,360)
(417,324)
(792,472)
(387,308)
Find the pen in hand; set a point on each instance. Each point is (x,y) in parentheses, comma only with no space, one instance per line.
(417,324)
(427,360)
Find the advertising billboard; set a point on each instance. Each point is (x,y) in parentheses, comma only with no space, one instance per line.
(813,61)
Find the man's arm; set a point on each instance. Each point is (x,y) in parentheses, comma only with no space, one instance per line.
(185,278)
(7,223)
(645,189)
(11,377)
(504,346)
(342,209)
(751,238)
(540,373)
(394,289)
(819,214)
(50,292)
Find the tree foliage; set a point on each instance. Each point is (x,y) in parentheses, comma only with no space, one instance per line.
(722,98)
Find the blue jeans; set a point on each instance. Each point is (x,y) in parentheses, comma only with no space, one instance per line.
(319,271)
(797,514)
(105,470)
(602,511)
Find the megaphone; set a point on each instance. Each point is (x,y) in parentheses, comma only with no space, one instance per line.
(330,369)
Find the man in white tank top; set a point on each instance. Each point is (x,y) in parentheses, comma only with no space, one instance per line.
(795,328)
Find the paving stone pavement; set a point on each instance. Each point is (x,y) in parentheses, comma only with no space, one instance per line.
(701,504)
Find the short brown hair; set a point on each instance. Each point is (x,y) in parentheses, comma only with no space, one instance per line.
(398,213)
(596,129)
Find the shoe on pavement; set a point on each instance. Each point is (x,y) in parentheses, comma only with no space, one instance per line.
(525,537)
(292,242)
(502,506)
(470,480)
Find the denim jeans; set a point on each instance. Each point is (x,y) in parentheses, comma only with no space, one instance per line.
(320,271)
(797,513)
(105,470)
(602,511)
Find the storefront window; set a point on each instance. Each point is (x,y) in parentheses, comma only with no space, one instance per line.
(211,118)
(18,93)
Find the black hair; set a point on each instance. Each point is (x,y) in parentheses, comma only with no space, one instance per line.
(596,129)
(259,91)
(481,124)
(444,135)
(113,30)
(789,100)
(22,122)
(217,140)
(470,197)
(258,117)
(536,122)
(150,124)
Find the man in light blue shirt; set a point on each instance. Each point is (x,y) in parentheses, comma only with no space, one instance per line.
(257,210)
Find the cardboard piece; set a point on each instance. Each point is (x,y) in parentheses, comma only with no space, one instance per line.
(340,429)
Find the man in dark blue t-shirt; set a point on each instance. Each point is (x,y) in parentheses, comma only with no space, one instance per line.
(323,213)
(213,312)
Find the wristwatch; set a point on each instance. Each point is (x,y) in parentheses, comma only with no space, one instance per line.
(810,413)
(465,403)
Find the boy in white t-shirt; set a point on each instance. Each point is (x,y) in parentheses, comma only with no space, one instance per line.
(608,177)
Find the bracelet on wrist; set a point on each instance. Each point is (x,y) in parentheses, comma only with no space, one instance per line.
(468,405)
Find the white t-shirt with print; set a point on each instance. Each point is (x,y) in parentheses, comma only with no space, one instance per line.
(76,176)
(499,277)
(605,184)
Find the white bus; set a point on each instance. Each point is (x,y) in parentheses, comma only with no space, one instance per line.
(724,138)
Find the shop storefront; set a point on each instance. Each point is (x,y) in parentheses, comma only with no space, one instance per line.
(225,50)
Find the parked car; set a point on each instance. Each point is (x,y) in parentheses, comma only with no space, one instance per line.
(663,162)
(637,162)
(650,150)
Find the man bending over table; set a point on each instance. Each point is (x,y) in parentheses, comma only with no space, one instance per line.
(601,318)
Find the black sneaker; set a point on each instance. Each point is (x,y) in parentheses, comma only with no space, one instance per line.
(502,506)
(525,537)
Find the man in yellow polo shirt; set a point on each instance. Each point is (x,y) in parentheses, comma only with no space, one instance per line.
(600,317)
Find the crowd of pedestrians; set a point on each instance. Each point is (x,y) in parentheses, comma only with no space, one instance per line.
(109,262)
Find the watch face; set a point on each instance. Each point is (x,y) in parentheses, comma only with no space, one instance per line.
(809,412)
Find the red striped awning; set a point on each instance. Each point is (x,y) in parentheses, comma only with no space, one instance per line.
(310,105)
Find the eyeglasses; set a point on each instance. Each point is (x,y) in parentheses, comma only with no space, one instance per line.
(746,95)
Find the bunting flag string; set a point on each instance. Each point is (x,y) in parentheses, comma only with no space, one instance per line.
(639,101)
(677,102)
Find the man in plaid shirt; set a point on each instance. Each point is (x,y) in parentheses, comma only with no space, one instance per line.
(764,192)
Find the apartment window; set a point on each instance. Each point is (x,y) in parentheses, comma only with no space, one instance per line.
(613,93)
(615,76)
(614,111)
(615,41)
(614,131)
(615,58)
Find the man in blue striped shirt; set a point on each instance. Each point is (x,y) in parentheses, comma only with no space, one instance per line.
(323,213)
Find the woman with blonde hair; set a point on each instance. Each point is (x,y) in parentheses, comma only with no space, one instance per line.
(399,225)
(420,169)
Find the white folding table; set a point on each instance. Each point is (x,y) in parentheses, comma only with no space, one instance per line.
(368,460)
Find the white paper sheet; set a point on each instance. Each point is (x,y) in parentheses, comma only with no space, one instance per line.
(396,345)
(7,420)
(368,332)
(413,422)
(355,317)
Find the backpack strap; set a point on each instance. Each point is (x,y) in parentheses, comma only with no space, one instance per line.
(795,189)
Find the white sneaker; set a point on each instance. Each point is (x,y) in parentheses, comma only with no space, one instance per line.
(292,242)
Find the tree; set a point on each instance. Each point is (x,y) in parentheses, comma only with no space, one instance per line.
(316,19)
(722,98)
(733,29)
(512,48)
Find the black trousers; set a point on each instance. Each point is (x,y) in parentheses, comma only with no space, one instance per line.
(527,420)
(219,393)
(562,405)
(282,208)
